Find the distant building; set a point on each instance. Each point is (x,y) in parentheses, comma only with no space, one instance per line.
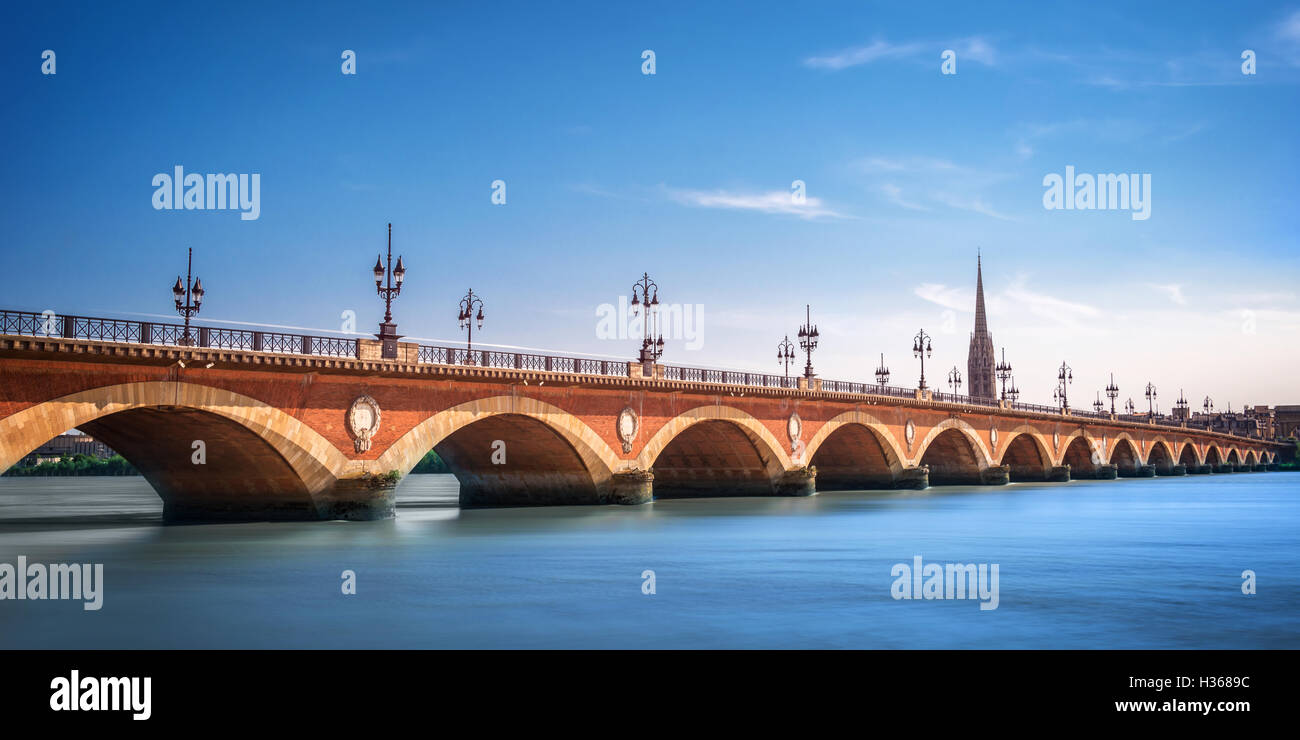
(979,360)
(1286,421)
(67,445)
(1265,416)
(1240,423)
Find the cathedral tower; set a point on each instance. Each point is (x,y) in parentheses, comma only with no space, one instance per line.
(979,362)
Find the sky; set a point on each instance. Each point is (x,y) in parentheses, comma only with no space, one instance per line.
(688,174)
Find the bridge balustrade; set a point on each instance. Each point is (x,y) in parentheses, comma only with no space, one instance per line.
(28,323)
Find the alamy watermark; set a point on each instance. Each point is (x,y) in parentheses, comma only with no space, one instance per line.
(946,581)
(196,192)
(1102,192)
(102,694)
(684,321)
(55,581)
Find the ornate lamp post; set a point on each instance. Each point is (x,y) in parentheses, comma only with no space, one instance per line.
(467,319)
(954,379)
(785,354)
(808,335)
(921,349)
(1064,377)
(1013,393)
(1129,408)
(192,295)
(1112,391)
(882,373)
(645,293)
(1151,397)
(1180,406)
(394,275)
(1003,371)
(1208,405)
(1098,406)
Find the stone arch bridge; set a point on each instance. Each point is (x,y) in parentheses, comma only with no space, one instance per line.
(309,430)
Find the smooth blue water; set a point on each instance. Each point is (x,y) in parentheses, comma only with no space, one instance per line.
(1090,564)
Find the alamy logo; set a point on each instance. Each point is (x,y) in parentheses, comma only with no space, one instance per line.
(214,192)
(672,320)
(91,694)
(947,581)
(56,581)
(1085,192)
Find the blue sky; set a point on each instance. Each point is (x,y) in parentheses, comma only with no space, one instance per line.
(686,174)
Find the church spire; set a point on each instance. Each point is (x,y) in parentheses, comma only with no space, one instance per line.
(979,363)
(981,322)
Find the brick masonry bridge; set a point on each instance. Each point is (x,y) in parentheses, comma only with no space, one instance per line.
(309,427)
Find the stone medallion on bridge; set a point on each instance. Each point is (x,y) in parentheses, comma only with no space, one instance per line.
(627,426)
(794,427)
(993,437)
(909,433)
(363,421)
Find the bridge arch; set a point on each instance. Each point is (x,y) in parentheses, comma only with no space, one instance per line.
(1160,455)
(854,451)
(1027,454)
(1234,457)
(551,456)
(1213,456)
(954,453)
(1125,455)
(156,426)
(714,450)
(1251,459)
(1188,455)
(1081,454)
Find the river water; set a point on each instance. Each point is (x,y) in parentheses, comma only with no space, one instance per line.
(1141,563)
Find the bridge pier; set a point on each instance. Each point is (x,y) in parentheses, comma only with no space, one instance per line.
(1107,472)
(798,482)
(1059,474)
(913,479)
(1146,471)
(1260,467)
(1226,468)
(354,499)
(359,499)
(1201,470)
(1272,466)
(1178,470)
(631,487)
(995,475)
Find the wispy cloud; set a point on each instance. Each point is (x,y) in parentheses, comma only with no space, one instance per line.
(1016,300)
(1173,290)
(1030,136)
(908,165)
(977,50)
(1288,31)
(932,182)
(974,49)
(858,55)
(894,194)
(1289,28)
(776,202)
(955,298)
(972,204)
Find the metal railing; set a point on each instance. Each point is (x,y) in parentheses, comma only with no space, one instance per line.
(26,323)
(1090,414)
(48,324)
(1035,408)
(727,377)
